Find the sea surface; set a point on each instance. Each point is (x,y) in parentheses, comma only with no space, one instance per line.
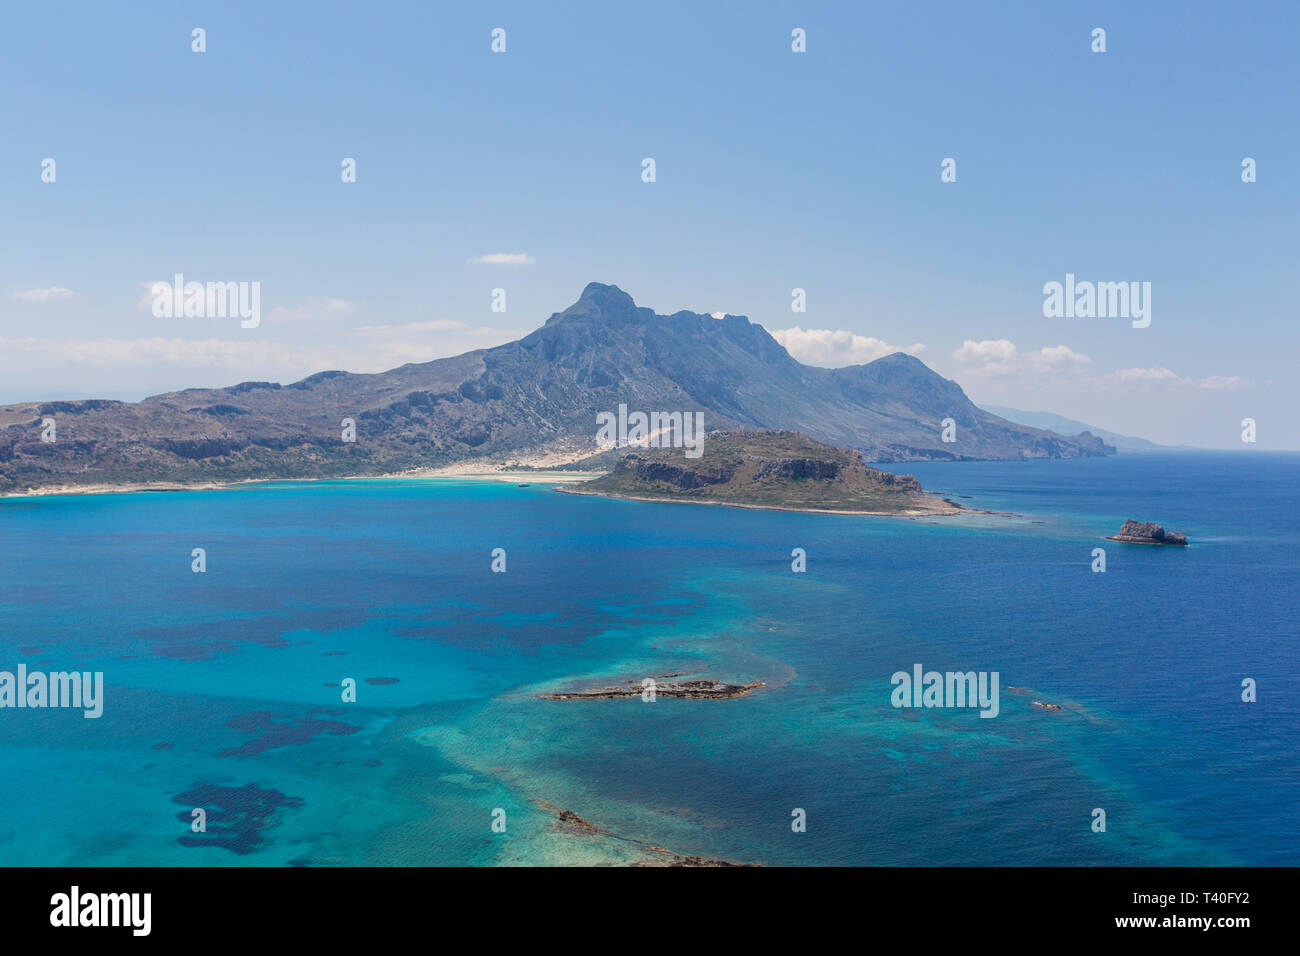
(223,689)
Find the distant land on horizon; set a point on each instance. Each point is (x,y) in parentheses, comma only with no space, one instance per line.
(1068,426)
(537,397)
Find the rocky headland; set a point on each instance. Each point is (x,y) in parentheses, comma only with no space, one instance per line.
(783,470)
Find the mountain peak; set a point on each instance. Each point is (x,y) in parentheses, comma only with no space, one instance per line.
(603,302)
(594,289)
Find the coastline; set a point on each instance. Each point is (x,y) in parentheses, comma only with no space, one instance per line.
(561,479)
(937,511)
(556,477)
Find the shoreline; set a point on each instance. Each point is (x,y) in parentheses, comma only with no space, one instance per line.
(936,511)
(556,477)
(560,479)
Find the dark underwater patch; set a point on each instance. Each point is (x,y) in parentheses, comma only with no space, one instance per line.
(236,816)
(281,730)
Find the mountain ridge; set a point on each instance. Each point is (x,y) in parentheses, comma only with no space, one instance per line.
(541,392)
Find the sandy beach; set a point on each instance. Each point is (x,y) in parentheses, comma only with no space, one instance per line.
(458,472)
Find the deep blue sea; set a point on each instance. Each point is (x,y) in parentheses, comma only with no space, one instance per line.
(223,688)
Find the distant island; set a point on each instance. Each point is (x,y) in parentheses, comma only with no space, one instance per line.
(1061,425)
(784,470)
(1146,532)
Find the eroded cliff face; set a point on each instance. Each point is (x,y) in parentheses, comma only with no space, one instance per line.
(795,469)
(675,475)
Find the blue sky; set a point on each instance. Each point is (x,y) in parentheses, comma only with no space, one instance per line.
(775,170)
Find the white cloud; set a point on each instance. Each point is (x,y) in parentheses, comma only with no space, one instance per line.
(504,259)
(377,349)
(995,363)
(52,294)
(994,359)
(1143,376)
(399,343)
(836,348)
(1058,355)
(158,351)
(310,311)
(989,350)
(1161,377)
(1224,382)
(432,325)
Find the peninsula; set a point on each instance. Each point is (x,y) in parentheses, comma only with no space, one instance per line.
(784,470)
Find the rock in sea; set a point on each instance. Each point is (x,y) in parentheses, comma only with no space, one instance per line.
(1147,532)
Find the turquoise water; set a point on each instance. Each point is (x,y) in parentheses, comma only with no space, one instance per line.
(223,687)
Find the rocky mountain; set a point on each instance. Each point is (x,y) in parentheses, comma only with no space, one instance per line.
(538,394)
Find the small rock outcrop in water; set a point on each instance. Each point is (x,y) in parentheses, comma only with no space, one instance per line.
(653,855)
(698,689)
(573,820)
(704,861)
(1147,532)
